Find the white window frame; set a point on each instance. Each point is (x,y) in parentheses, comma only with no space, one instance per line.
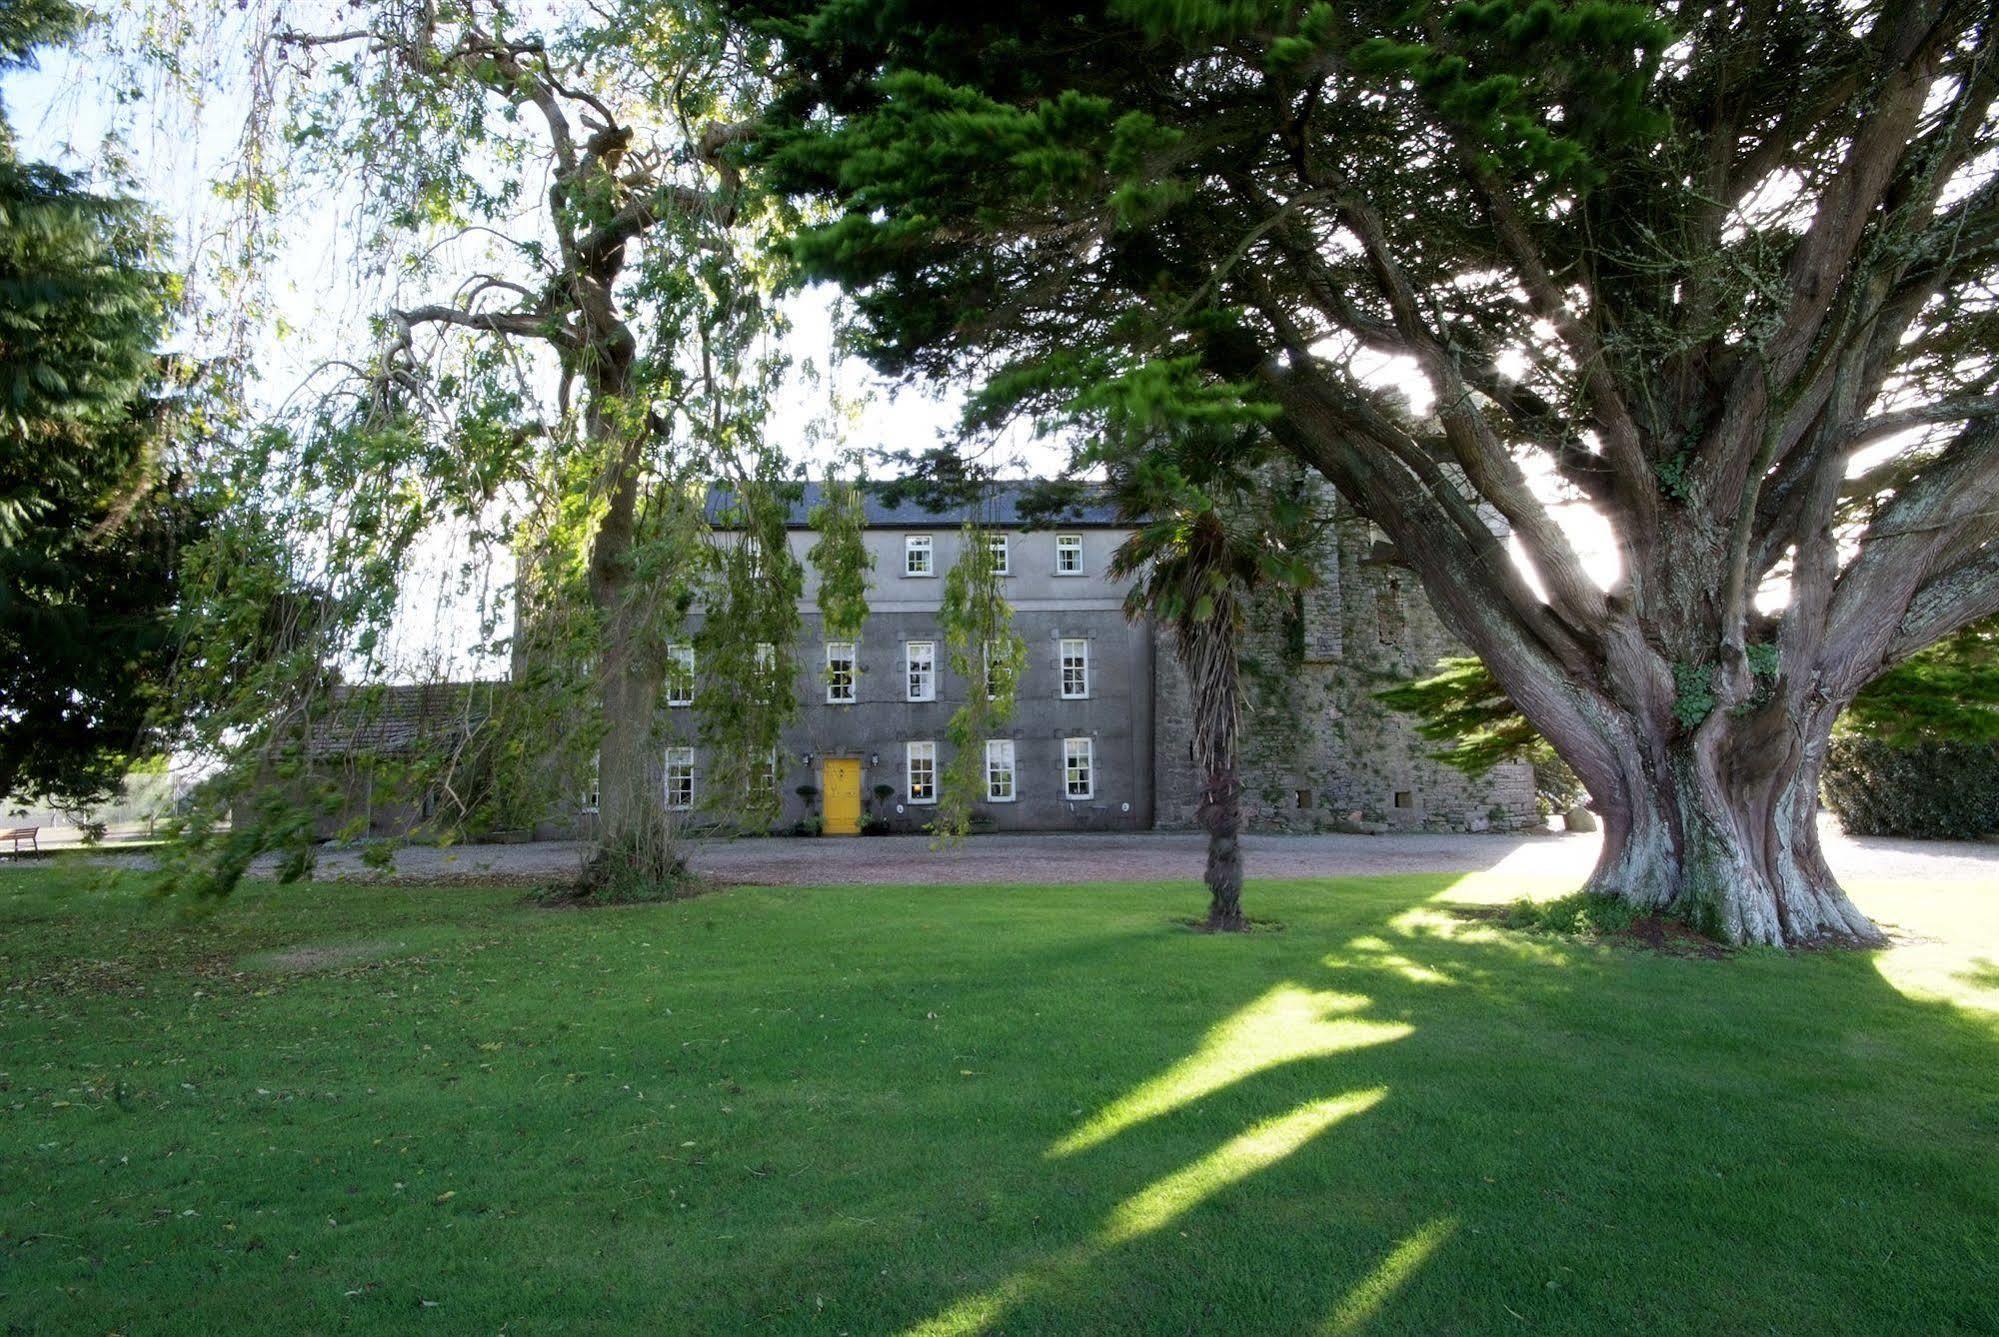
(679,674)
(986,670)
(679,759)
(593,793)
(1066,544)
(914,545)
(910,660)
(765,777)
(1079,757)
(1001,763)
(853,658)
(766,658)
(1062,667)
(997,545)
(924,751)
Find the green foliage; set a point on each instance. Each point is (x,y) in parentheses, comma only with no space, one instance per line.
(88,624)
(1693,693)
(982,648)
(27,24)
(591,343)
(1947,693)
(927,144)
(641,875)
(1924,790)
(1672,474)
(94,504)
(1463,705)
(1539,85)
(840,557)
(293,587)
(1580,915)
(1765,662)
(83,307)
(1190,465)
(746,652)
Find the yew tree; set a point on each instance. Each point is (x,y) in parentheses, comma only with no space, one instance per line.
(1720,271)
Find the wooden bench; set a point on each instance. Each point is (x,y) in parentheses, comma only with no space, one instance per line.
(17,834)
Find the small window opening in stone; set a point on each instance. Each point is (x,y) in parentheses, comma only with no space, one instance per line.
(1404,799)
(1304,798)
(1389,618)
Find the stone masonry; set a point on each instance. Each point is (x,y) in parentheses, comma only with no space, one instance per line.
(1320,753)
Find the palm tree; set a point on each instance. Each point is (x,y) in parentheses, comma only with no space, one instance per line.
(1195,572)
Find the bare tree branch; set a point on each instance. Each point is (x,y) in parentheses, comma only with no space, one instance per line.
(1882,425)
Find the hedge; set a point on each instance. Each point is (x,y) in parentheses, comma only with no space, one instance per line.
(1932,791)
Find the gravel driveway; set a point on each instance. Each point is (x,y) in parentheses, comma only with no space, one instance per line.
(1058,858)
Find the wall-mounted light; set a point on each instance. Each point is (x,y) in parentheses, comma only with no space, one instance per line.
(874,758)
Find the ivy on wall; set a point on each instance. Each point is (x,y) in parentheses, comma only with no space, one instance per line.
(747,651)
(841,559)
(986,652)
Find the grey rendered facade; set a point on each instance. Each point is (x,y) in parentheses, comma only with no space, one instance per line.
(1319,751)
(1061,597)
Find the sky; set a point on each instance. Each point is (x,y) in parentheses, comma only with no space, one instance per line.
(320,304)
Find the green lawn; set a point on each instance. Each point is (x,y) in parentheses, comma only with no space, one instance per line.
(998,1109)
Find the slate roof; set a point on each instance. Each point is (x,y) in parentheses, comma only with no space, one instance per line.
(907,511)
(385,719)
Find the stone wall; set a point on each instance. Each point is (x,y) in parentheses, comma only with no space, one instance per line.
(1320,753)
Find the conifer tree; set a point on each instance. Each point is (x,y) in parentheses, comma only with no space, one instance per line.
(1719,271)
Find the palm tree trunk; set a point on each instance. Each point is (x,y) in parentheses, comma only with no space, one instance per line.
(1215,676)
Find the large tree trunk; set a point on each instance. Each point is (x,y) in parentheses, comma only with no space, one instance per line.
(635,831)
(1709,820)
(635,834)
(1718,827)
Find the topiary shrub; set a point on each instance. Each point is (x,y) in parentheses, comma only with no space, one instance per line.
(1931,791)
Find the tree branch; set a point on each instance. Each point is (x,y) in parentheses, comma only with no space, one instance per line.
(1882,425)
(1484,459)
(1947,603)
(520,324)
(1623,449)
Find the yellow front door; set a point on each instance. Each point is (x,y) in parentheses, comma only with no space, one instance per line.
(842,786)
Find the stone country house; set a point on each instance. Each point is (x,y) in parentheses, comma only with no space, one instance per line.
(1100,738)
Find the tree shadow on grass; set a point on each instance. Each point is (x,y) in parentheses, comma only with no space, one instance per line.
(1432,1124)
(1050,1110)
